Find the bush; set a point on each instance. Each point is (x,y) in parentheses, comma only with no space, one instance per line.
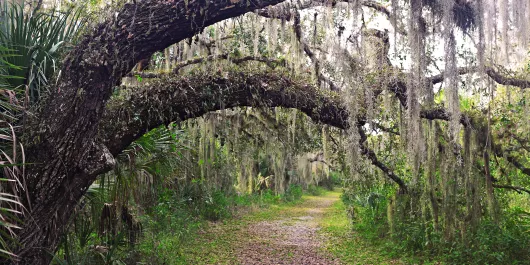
(268,197)
(293,193)
(507,243)
(216,207)
(314,190)
(336,178)
(504,243)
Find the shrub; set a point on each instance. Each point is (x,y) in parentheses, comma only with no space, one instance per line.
(314,190)
(268,197)
(336,178)
(216,207)
(293,193)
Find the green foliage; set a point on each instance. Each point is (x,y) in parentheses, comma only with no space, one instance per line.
(216,207)
(268,197)
(12,159)
(314,190)
(355,244)
(503,243)
(336,178)
(37,40)
(293,193)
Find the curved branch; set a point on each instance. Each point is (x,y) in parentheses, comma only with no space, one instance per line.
(161,101)
(399,87)
(273,63)
(511,159)
(237,60)
(63,150)
(492,73)
(514,188)
(139,109)
(370,154)
(394,131)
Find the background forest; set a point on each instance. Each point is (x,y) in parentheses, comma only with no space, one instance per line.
(416,109)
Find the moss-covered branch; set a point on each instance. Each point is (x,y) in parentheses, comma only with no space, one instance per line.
(492,73)
(517,189)
(137,110)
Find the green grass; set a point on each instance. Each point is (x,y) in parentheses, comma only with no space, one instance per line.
(351,246)
(217,242)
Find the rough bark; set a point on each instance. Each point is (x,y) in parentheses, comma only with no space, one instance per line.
(492,73)
(64,151)
(177,98)
(160,101)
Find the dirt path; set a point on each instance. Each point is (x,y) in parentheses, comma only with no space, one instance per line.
(313,231)
(288,237)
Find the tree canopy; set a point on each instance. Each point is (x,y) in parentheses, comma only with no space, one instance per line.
(430,93)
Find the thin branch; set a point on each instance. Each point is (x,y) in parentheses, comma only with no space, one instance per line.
(370,154)
(518,164)
(512,159)
(284,11)
(399,87)
(386,129)
(210,43)
(522,142)
(380,8)
(514,188)
(492,73)
(237,60)
(305,47)
(37,7)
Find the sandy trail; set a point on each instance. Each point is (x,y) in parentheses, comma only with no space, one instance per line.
(292,238)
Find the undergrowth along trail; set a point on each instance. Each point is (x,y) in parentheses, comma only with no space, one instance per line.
(312,231)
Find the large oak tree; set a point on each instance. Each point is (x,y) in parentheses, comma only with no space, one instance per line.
(79,131)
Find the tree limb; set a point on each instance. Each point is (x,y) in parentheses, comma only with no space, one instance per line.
(491,72)
(63,150)
(305,47)
(273,63)
(285,12)
(161,101)
(512,159)
(370,154)
(515,188)
(175,98)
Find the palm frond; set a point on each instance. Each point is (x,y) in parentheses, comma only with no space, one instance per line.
(36,41)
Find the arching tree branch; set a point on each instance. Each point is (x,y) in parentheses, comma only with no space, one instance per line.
(514,188)
(140,109)
(63,150)
(492,73)
(168,99)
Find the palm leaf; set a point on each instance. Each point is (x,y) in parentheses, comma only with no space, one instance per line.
(37,41)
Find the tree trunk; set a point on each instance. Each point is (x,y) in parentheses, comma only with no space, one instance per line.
(64,151)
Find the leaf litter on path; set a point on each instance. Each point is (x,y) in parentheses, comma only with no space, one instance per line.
(292,239)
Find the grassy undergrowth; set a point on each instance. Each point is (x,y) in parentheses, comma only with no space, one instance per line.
(217,243)
(207,240)
(354,245)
